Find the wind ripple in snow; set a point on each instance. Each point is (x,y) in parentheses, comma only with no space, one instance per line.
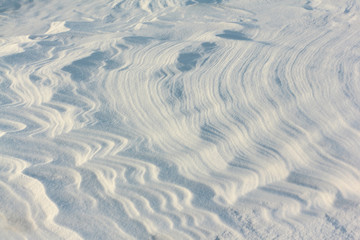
(165,119)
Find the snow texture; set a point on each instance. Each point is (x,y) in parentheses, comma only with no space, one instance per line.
(179,119)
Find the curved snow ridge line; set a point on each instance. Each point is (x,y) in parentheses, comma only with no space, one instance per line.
(37,121)
(63,185)
(97,144)
(29,87)
(23,85)
(33,212)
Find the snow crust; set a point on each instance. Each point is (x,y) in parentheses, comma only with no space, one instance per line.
(169,119)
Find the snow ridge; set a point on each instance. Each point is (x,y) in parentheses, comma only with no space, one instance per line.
(166,119)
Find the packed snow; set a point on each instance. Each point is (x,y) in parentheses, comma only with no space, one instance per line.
(179,119)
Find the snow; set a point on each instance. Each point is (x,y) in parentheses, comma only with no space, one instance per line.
(169,119)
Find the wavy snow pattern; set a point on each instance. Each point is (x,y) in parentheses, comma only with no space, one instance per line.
(167,119)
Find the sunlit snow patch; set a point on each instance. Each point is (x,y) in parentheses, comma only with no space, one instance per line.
(57,27)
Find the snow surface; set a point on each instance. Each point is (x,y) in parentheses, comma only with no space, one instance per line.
(179,119)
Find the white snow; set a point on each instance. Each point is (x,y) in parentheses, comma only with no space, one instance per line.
(169,119)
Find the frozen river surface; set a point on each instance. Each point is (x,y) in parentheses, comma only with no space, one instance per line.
(179,119)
